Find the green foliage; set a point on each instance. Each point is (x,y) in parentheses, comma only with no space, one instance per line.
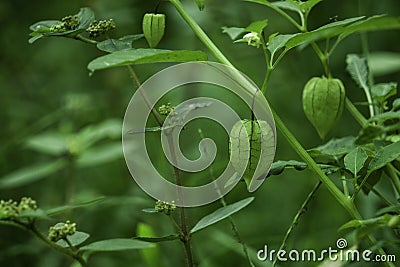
(220,214)
(142,56)
(79,147)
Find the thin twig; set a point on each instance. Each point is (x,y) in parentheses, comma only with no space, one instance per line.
(296,218)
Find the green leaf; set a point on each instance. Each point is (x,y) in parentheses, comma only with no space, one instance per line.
(379,22)
(157,239)
(31,174)
(91,134)
(333,149)
(150,210)
(382,91)
(233,32)
(116,245)
(383,63)
(51,143)
(277,42)
(384,156)
(34,214)
(42,28)
(221,214)
(142,55)
(257,26)
(309,4)
(324,32)
(355,160)
(61,209)
(113,45)
(100,154)
(358,69)
(76,239)
(279,166)
(288,5)
(369,133)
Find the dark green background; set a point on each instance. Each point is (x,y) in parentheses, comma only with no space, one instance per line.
(36,80)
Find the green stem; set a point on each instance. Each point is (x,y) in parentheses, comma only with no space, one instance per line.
(32,228)
(355,113)
(296,218)
(339,196)
(200,33)
(84,39)
(394,177)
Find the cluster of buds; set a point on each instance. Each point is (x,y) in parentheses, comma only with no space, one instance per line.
(67,23)
(61,231)
(165,207)
(11,208)
(98,28)
(166,109)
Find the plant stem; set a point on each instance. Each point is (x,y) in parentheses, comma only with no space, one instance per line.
(183,227)
(84,39)
(355,113)
(296,218)
(394,177)
(145,97)
(231,221)
(32,228)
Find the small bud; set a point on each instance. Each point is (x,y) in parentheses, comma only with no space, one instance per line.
(61,231)
(27,203)
(153,28)
(165,207)
(8,209)
(97,28)
(166,109)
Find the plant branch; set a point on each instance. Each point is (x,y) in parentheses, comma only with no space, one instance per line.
(296,218)
(32,228)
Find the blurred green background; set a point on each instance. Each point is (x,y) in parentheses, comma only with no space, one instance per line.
(45,88)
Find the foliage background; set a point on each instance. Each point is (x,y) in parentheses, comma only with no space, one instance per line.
(41,79)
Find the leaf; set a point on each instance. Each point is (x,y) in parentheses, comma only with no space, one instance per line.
(368,134)
(221,214)
(309,4)
(287,5)
(51,143)
(61,209)
(382,91)
(113,45)
(358,69)
(150,210)
(279,166)
(116,244)
(324,32)
(100,154)
(200,4)
(34,214)
(384,156)
(42,28)
(378,22)
(257,26)
(383,117)
(334,148)
(143,55)
(233,32)
(355,160)
(383,63)
(76,239)
(278,42)
(157,239)
(31,174)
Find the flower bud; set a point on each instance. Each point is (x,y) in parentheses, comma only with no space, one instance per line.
(153,28)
